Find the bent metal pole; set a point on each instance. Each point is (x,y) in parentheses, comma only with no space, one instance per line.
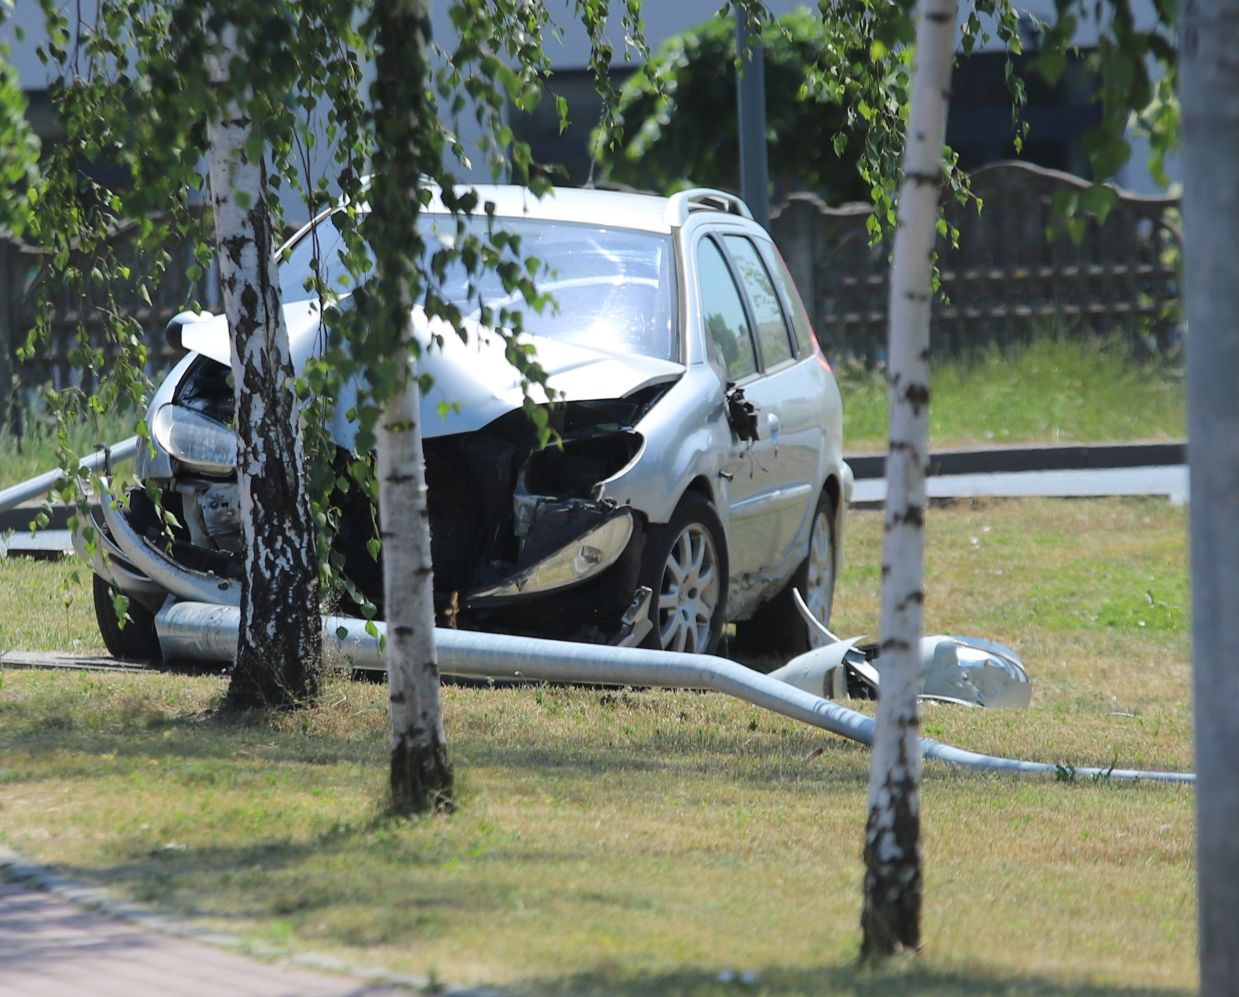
(202,632)
(100,460)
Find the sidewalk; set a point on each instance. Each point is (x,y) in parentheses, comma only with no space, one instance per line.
(49,948)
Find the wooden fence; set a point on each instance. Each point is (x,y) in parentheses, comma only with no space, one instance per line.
(1007,280)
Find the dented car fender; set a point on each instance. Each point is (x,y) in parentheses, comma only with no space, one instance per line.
(673,455)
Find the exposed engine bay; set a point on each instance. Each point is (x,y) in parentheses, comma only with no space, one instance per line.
(508,518)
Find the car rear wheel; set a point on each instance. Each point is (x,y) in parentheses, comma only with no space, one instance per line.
(136,640)
(777,627)
(685,566)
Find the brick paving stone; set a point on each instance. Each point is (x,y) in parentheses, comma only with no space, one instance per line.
(49,948)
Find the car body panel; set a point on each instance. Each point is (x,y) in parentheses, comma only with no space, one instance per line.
(473,382)
(774,481)
(686,438)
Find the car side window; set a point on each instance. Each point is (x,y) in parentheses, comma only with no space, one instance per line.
(772,335)
(729,338)
(801,325)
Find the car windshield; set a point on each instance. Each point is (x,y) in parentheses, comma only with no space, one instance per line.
(613,289)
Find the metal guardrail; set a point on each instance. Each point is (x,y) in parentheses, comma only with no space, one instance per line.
(40,485)
(1018,459)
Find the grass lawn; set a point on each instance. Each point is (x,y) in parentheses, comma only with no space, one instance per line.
(662,842)
(1082,390)
(37,448)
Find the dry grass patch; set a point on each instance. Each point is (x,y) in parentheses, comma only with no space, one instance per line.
(612,841)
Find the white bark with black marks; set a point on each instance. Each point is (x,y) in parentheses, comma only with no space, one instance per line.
(1210,106)
(421,776)
(280,646)
(890,917)
(418,741)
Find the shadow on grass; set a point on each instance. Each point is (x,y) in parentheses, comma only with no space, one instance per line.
(138,734)
(114,736)
(902,976)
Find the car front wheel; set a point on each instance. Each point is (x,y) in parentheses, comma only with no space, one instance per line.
(685,566)
(134,639)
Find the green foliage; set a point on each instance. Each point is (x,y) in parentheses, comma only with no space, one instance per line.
(680,121)
(135,90)
(850,67)
(19,149)
(36,449)
(1121,60)
(407,135)
(137,85)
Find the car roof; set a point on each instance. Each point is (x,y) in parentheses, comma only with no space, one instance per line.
(610,208)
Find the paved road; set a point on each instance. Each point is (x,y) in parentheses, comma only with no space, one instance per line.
(49,948)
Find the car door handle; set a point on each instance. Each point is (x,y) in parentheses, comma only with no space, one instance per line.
(773,423)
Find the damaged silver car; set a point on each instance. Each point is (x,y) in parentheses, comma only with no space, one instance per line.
(697,479)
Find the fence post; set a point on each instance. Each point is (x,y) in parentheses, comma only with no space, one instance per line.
(10,300)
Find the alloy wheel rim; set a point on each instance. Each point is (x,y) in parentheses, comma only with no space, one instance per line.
(689,593)
(820,583)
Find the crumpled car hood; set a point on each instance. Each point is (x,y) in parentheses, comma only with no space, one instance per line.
(473,382)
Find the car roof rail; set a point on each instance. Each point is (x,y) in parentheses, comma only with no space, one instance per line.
(683,203)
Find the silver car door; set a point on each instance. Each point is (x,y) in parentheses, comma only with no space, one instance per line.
(789,399)
(733,354)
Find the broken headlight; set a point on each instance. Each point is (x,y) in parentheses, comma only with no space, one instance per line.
(197,441)
(576,561)
(570,469)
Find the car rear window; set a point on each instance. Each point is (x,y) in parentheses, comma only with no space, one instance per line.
(801,325)
(772,336)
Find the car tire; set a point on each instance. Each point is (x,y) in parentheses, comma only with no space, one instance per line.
(777,627)
(136,640)
(685,566)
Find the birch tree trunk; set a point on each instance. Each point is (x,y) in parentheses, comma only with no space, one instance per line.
(421,775)
(1210,108)
(279,651)
(891,914)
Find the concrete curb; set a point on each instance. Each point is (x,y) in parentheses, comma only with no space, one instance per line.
(1059,457)
(17,869)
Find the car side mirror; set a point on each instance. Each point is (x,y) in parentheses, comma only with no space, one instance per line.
(172,331)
